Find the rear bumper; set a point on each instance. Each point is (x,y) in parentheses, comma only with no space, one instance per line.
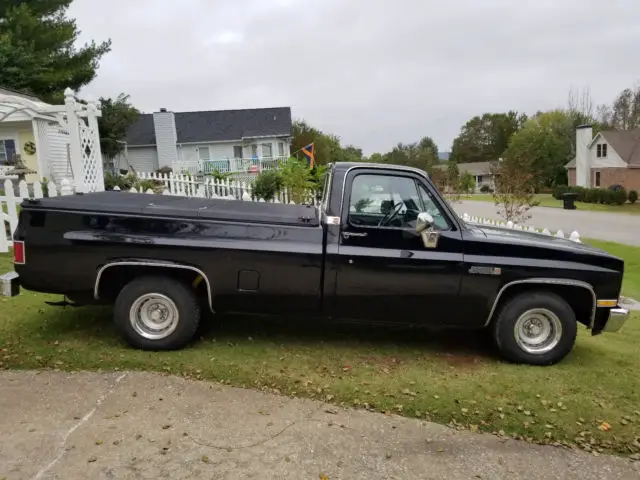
(617,318)
(9,284)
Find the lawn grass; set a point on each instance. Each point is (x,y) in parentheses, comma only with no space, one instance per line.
(547,200)
(450,378)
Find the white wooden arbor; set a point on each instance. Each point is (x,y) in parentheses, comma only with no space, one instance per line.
(67,138)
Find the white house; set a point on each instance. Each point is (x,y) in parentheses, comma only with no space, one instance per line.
(29,130)
(609,158)
(225,140)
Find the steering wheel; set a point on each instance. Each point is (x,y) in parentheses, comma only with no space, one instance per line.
(391,214)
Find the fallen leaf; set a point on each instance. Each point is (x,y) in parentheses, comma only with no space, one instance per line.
(440,450)
(604,426)
(166,426)
(388,456)
(98,442)
(322,476)
(91,459)
(473,428)
(205,459)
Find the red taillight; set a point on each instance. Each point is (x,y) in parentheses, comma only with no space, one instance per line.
(19,256)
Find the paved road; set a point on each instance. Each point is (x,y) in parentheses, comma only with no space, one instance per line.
(617,227)
(140,425)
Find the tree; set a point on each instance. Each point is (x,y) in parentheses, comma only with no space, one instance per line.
(327,146)
(514,194)
(297,177)
(422,154)
(467,183)
(376,158)
(117,116)
(453,175)
(352,154)
(37,49)
(546,143)
(485,138)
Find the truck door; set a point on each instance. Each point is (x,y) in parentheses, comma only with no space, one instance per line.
(384,270)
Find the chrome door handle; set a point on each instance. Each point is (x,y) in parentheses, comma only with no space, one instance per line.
(354,234)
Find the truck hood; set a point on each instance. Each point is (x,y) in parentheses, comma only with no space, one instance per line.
(526,243)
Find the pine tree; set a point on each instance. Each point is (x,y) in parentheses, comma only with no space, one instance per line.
(37,51)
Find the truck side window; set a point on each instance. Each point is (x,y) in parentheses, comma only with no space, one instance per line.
(440,221)
(384,201)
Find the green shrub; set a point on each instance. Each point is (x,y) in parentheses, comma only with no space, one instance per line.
(633,196)
(592,195)
(558,191)
(580,191)
(156,185)
(267,185)
(619,197)
(486,189)
(297,177)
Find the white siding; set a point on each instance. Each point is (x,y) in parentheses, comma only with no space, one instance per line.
(57,152)
(166,138)
(141,159)
(611,160)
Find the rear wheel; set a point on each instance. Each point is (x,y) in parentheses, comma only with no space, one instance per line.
(535,328)
(157,313)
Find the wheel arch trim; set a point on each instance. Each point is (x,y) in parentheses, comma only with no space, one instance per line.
(546,281)
(146,263)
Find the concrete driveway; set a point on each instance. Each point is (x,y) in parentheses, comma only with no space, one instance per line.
(140,425)
(616,227)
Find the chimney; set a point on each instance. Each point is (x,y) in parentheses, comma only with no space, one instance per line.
(164,123)
(584,135)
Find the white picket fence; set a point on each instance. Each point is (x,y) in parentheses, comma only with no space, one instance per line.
(573,236)
(209,187)
(9,203)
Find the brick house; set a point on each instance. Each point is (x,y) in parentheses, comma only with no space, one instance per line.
(610,158)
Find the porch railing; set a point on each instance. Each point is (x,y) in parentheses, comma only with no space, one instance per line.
(230,165)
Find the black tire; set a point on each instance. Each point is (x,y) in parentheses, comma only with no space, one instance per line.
(503,328)
(184,301)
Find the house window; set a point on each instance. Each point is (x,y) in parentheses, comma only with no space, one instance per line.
(601,151)
(237,151)
(281,149)
(267,150)
(254,151)
(604,150)
(596,181)
(7,150)
(203,154)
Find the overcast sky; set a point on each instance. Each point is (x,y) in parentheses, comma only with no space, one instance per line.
(374,72)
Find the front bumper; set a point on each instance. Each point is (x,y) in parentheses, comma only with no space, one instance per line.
(617,318)
(9,284)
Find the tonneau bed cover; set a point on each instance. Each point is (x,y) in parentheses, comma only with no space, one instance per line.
(126,203)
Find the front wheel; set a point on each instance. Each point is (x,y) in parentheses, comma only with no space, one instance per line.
(157,313)
(535,328)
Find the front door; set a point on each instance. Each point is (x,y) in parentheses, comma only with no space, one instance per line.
(384,270)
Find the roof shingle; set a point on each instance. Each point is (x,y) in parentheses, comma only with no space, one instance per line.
(216,126)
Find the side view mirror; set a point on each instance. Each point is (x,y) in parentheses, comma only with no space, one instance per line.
(424,221)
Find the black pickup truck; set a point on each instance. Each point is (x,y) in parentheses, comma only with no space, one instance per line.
(382,246)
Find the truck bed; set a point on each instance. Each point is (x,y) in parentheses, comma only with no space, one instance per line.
(126,203)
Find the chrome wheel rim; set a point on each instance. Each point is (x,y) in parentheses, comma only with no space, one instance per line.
(154,316)
(538,331)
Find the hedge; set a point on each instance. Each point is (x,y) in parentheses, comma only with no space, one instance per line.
(592,195)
